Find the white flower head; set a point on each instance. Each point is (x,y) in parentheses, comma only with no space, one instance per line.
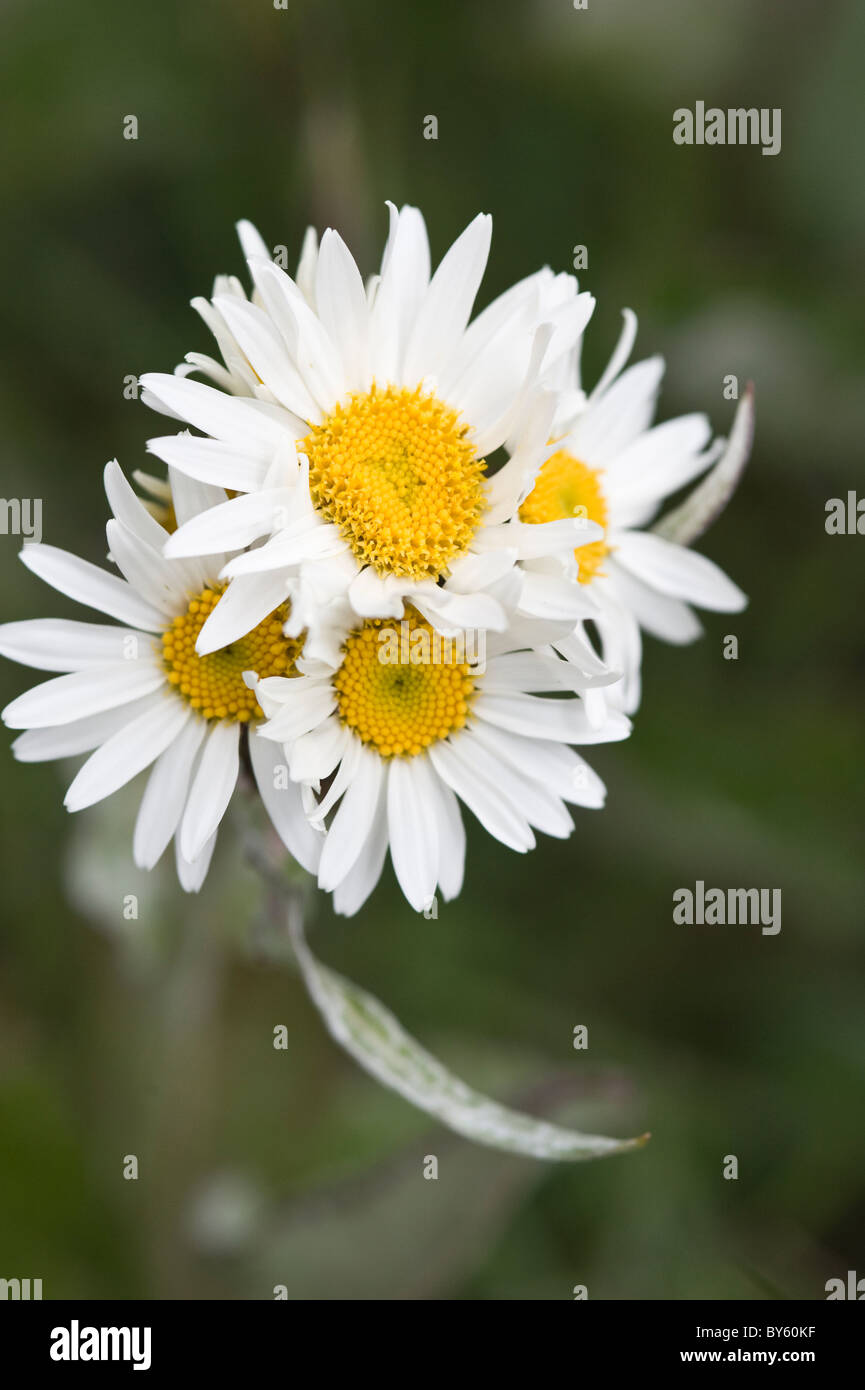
(612,468)
(404,724)
(359,441)
(138,695)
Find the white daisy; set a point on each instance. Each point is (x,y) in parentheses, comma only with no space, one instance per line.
(612,467)
(360,445)
(139,695)
(399,729)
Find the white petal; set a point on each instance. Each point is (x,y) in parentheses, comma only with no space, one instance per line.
(146,570)
(404,282)
(533,672)
(158,488)
(496,429)
(501,819)
(88,584)
(529,632)
(508,488)
(586,788)
(80,736)
(554,598)
(229,526)
(341,302)
(577,649)
(568,321)
(128,752)
(621,353)
(211,461)
(353,820)
(352,891)
(311,346)
(192,874)
(667,618)
(412,830)
(679,573)
(621,643)
(269,356)
(283,801)
(58,644)
(315,755)
(237,378)
(558,768)
(661,460)
(306,538)
(214,781)
(236,420)
(75,696)
(511,313)
(490,385)
(451,612)
(539,806)
(246,602)
(306,266)
(129,508)
(473,571)
(191,496)
(451,837)
(447,305)
(562,720)
(531,541)
(374,595)
(319,810)
(612,421)
(251,240)
(304,703)
(165,795)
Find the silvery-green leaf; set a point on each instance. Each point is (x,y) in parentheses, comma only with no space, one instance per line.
(688,521)
(377,1040)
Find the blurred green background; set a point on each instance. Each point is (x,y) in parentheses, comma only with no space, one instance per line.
(154,1037)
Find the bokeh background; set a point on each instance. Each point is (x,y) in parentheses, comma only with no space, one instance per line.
(154,1037)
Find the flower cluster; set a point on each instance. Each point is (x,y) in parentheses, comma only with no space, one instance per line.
(399,562)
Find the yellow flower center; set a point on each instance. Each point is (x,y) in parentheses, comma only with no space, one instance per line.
(214,684)
(402,687)
(566,487)
(394,470)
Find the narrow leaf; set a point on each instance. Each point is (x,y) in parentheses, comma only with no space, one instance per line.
(695,515)
(377,1040)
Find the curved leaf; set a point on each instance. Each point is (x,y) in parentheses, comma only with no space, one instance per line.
(687,522)
(377,1040)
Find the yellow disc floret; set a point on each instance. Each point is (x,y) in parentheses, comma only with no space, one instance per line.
(401,686)
(566,487)
(395,472)
(214,684)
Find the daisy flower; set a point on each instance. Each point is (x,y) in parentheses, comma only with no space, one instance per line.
(612,467)
(140,696)
(405,724)
(356,422)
